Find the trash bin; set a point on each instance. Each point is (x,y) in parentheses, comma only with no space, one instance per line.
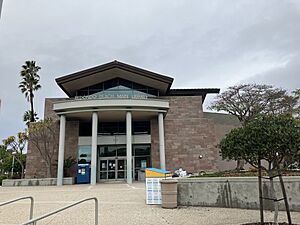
(141,175)
(169,193)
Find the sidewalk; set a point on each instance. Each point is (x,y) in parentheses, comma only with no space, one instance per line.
(118,204)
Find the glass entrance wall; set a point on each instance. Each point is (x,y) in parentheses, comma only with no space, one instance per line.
(111,150)
(142,158)
(112,161)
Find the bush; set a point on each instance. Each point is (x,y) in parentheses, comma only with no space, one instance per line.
(3,177)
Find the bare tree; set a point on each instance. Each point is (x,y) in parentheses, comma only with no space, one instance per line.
(43,136)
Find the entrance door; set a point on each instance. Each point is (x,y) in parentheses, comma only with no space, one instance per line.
(121,169)
(112,169)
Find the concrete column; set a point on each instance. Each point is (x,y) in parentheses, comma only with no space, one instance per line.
(94,148)
(61,150)
(161,134)
(129,146)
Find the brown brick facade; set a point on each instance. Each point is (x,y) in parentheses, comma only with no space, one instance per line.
(189,133)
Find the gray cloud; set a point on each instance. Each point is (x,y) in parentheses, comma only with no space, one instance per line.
(199,43)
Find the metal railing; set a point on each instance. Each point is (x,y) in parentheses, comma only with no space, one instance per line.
(34,221)
(18,199)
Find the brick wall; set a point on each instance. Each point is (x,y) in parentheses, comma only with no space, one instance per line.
(223,123)
(188,135)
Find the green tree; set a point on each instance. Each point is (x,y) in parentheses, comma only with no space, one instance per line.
(16,146)
(4,155)
(269,138)
(30,83)
(6,163)
(297,108)
(4,170)
(247,101)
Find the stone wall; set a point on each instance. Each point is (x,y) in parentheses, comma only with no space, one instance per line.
(223,123)
(190,133)
(235,192)
(35,165)
(187,136)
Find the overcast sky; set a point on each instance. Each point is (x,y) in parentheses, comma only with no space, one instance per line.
(200,43)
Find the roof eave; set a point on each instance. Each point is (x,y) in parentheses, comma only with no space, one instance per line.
(114,64)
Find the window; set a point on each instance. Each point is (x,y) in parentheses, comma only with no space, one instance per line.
(112,150)
(84,154)
(118,86)
(141,127)
(141,150)
(85,129)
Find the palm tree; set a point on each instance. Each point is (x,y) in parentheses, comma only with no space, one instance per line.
(27,117)
(30,83)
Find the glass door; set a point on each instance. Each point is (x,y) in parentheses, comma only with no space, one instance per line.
(121,169)
(103,169)
(111,169)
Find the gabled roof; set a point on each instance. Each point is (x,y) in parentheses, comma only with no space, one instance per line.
(75,81)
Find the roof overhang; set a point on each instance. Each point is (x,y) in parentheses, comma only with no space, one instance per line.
(75,81)
(194,92)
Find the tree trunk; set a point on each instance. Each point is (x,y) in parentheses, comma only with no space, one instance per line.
(240,164)
(31,106)
(273,195)
(22,171)
(49,169)
(22,166)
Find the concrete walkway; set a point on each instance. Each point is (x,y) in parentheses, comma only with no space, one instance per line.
(119,204)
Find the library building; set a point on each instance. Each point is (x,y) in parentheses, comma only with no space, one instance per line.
(117,120)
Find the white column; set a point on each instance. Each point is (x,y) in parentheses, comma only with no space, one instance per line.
(161,134)
(94,148)
(61,150)
(129,147)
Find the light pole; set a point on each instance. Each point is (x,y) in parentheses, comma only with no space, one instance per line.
(13,164)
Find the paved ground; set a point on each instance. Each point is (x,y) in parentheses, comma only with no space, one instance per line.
(119,204)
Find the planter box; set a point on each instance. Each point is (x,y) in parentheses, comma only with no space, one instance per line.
(235,192)
(35,182)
